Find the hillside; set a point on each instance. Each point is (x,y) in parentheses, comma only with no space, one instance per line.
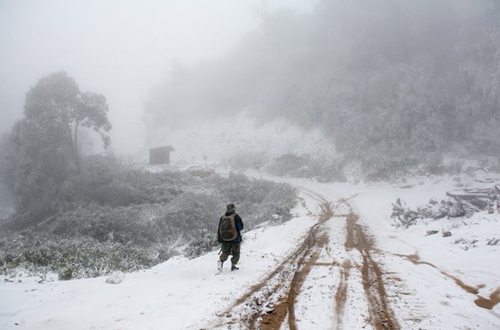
(340,263)
(411,80)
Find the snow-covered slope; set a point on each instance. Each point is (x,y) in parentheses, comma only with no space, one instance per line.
(240,137)
(338,258)
(340,263)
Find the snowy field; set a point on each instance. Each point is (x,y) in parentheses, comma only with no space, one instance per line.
(340,263)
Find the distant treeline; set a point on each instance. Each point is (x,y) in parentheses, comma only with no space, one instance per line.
(393,83)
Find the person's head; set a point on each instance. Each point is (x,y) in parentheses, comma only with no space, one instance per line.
(230,207)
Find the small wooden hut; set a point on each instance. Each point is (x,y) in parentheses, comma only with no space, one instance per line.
(160,155)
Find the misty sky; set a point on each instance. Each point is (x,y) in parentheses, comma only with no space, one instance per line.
(119,48)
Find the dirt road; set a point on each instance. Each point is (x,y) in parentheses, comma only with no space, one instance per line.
(335,256)
(340,277)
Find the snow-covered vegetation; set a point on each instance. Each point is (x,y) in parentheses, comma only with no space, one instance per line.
(359,141)
(86,215)
(119,218)
(429,281)
(391,85)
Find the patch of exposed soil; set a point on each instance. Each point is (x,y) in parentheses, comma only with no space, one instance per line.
(491,302)
(341,295)
(382,315)
(487,303)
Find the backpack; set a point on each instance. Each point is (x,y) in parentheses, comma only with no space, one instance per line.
(227,228)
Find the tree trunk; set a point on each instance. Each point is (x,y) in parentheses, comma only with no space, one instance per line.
(75,148)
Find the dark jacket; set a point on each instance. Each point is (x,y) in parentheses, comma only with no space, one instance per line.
(239,228)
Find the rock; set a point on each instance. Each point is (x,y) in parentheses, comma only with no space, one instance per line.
(115,278)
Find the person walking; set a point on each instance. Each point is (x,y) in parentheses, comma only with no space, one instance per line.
(229,235)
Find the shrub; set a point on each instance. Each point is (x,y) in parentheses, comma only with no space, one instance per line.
(206,242)
(305,166)
(138,221)
(256,200)
(78,257)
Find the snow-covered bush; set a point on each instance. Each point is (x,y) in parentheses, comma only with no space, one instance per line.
(206,242)
(124,225)
(256,200)
(190,212)
(104,181)
(78,257)
(244,160)
(306,166)
(96,233)
(289,164)
(461,203)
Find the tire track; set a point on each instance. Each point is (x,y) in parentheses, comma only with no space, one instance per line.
(270,302)
(288,303)
(310,250)
(382,315)
(341,294)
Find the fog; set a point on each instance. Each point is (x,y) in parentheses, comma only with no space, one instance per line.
(410,80)
(118,48)
(338,94)
(392,83)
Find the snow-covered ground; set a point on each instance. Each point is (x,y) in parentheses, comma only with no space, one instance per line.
(318,264)
(239,139)
(340,263)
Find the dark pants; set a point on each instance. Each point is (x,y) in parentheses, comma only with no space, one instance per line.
(230,249)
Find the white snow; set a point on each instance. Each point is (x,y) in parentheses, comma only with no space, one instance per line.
(428,279)
(188,294)
(239,137)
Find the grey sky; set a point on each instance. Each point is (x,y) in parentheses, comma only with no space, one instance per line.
(119,48)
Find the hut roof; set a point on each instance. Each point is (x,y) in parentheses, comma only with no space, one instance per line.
(164,148)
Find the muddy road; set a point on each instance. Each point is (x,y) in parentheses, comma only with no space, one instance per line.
(332,271)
